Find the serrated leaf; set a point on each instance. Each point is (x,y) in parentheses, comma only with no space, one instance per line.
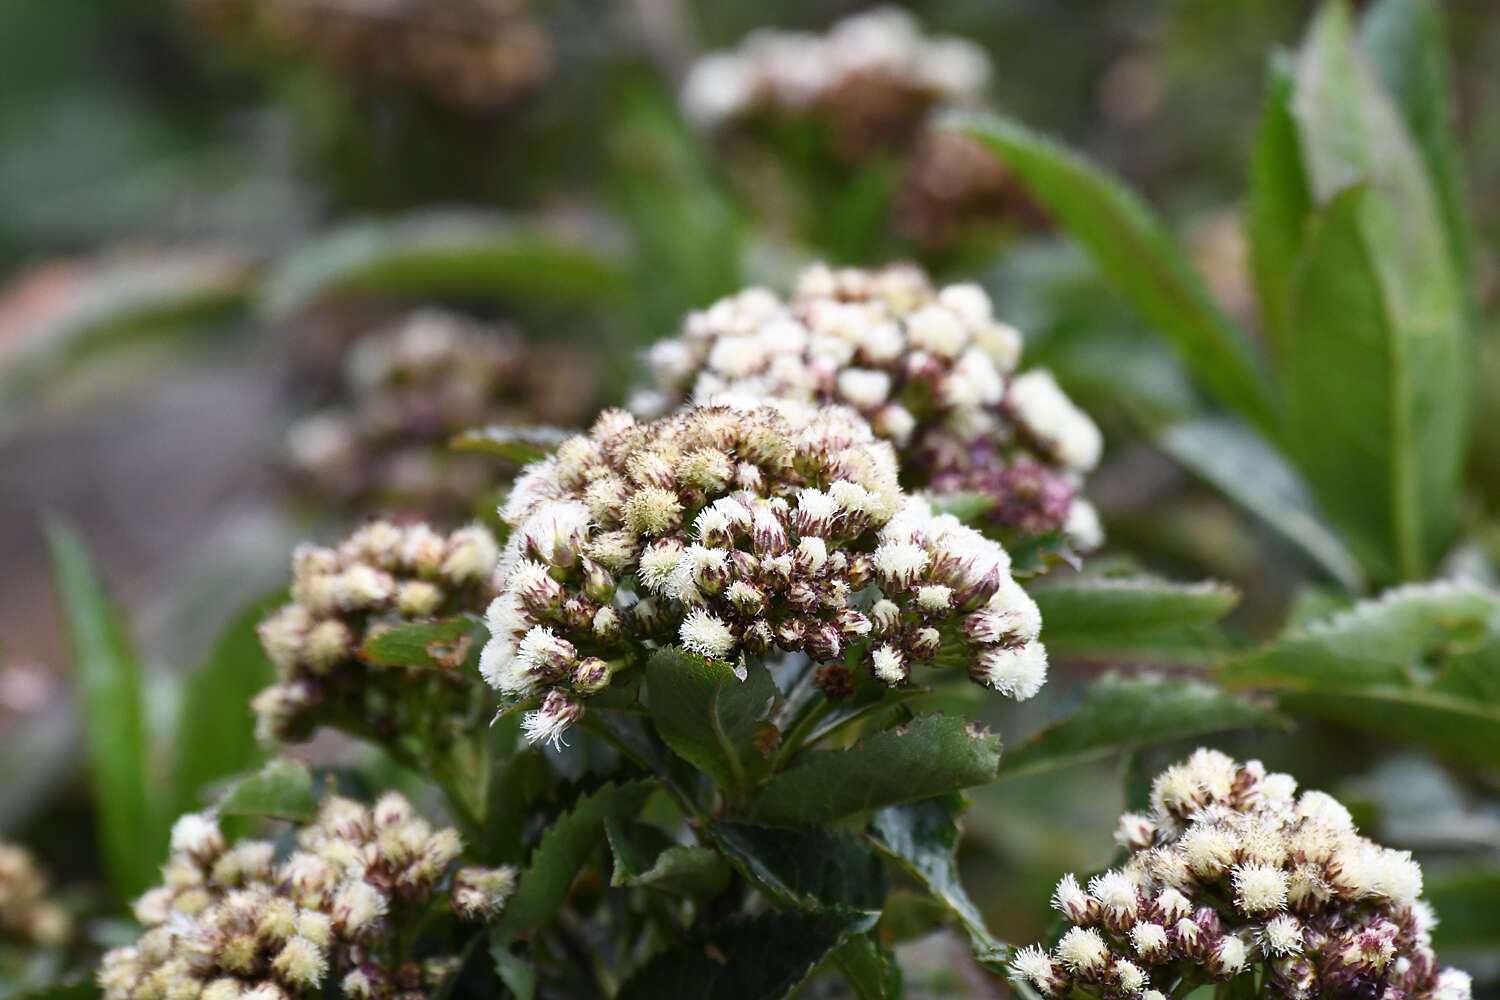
(1417,664)
(709,716)
(756,958)
(107,683)
(437,645)
(871,971)
(281,790)
(931,755)
(923,838)
(645,856)
(1377,380)
(215,734)
(1119,714)
(1240,463)
(562,852)
(428,254)
(1136,254)
(805,867)
(1278,204)
(521,445)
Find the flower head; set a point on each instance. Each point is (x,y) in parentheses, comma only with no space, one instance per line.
(26,915)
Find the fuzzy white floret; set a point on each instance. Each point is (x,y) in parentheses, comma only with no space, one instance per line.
(1040,404)
(1083,950)
(706,634)
(1259,888)
(864,388)
(1283,935)
(890,664)
(901,561)
(196,833)
(1019,672)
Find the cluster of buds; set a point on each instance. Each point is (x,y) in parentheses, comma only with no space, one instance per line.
(231,922)
(408,389)
(932,371)
(873,77)
(953,187)
(27,917)
(472,53)
(1232,872)
(742,527)
(381,576)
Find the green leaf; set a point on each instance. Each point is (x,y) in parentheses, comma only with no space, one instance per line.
(215,734)
(1240,463)
(1466,902)
(645,856)
(1377,375)
(562,852)
(756,958)
(435,254)
(107,681)
(923,838)
(521,445)
(438,645)
(967,507)
(1419,664)
(1407,42)
(1135,253)
(931,755)
(1114,604)
(281,790)
(1119,714)
(871,971)
(709,716)
(1278,205)
(516,780)
(805,867)
(517,973)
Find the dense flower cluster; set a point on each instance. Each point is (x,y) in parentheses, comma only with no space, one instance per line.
(382,575)
(477,53)
(932,370)
(408,389)
(873,76)
(1232,870)
(742,528)
(232,922)
(26,915)
(954,187)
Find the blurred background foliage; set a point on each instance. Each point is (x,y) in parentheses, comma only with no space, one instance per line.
(203,206)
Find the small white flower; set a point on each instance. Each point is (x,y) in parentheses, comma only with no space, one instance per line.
(1019,672)
(706,634)
(1259,888)
(890,664)
(1083,950)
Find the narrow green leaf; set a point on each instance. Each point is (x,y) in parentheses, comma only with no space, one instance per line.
(711,717)
(804,867)
(438,645)
(1134,251)
(1240,464)
(755,958)
(562,852)
(1407,42)
(281,790)
(429,254)
(923,838)
(931,755)
(1122,603)
(1119,714)
(1278,205)
(521,445)
(215,734)
(107,681)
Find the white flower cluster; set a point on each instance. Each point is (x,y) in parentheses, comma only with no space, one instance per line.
(233,923)
(27,917)
(1232,870)
(932,370)
(384,574)
(881,50)
(734,528)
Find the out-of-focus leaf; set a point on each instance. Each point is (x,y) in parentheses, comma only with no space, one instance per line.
(521,445)
(439,645)
(107,680)
(1245,468)
(1122,603)
(931,755)
(518,975)
(755,958)
(1118,714)
(516,780)
(1407,42)
(645,856)
(711,715)
(805,867)
(871,971)
(1466,903)
(1278,206)
(431,254)
(1134,251)
(1419,664)
(923,838)
(1377,373)
(563,850)
(282,790)
(72,987)
(967,507)
(215,728)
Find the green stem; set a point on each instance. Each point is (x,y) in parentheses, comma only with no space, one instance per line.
(797,738)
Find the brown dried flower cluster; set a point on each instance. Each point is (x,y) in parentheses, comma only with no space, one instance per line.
(234,923)
(1232,872)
